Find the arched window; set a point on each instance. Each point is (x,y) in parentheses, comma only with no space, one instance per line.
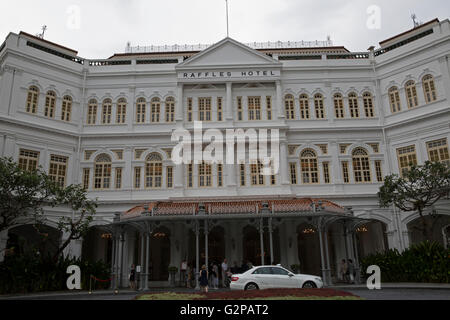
(318,104)
(394,100)
(368,105)
(353,105)
(289,103)
(32,99)
(66,110)
(140,110)
(121,115)
(102,172)
(304,106)
(107,111)
(339,106)
(361,165)
(153,171)
(170,109)
(411,94)
(50,104)
(155,110)
(310,171)
(92,112)
(429,88)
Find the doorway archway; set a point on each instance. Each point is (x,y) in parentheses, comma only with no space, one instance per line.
(159,254)
(308,249)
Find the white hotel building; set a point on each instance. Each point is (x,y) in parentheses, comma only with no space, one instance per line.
(346,120)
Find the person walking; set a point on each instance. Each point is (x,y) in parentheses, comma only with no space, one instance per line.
(215,276)
(224,272)
(350,271)
(343,270)
(204,279)
(132,277)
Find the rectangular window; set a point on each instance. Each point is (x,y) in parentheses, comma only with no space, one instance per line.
(293,167)
(140,110)
(58,170)
(204,109)
(379,171)
(86,176)
(254,108)
(239,108)
(256,170)
(190,175)
(205,175)
(220,175)
(219,109)
(170,110)
(118,178)
(189,110)
(107,112)
(92,114)
(345,175)
(339,107)
(326,172)
(406,159)
(242,174)
(368,106)
(28,160)
(137,178)
(438,151)
(169,177)
(269,107)
(121,113)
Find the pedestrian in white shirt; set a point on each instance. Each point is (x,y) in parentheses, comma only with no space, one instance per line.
(224,272)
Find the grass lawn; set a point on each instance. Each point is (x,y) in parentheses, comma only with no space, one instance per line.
(271,294)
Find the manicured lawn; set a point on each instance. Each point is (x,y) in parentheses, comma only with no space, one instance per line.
(271,294)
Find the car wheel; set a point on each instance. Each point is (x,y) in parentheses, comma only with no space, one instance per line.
(252,286)
(309,285)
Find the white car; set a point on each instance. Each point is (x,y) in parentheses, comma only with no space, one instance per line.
(270,277)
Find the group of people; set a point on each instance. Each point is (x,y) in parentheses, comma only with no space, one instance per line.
(209,277)
(347,271)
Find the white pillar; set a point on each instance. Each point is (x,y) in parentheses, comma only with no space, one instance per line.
(147,262)
(283,164)
(271,241)
(179,107)
(279,102)
(142,262)
(261,240)
(229,101)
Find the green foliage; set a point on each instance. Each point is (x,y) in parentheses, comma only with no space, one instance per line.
(28,274)
(23,194)
(424,262)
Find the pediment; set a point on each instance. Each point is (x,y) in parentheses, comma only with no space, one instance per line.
(228,52)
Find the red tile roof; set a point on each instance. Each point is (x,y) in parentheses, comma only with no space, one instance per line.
(173,208)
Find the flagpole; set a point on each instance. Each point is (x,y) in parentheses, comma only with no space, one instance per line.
(228,32)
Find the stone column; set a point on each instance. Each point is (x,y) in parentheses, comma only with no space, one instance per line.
(197,255)
(356,262)
(179,106)
(147,261)
(322,260)
(229,101)
(120,260)
(271,241)
(3,243)
(142,262)
(283,163)
(261,240)
(327,259)
(279,102)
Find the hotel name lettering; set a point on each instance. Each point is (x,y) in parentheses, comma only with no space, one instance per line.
(229,74)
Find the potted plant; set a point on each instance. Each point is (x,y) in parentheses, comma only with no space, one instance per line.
(172,272)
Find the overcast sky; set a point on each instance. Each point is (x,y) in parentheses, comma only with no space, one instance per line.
(100,28)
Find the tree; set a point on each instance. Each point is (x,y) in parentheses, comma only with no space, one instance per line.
(23,194)
(83,209)
(419,188)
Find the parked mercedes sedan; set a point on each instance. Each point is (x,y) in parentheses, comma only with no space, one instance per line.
(269,277)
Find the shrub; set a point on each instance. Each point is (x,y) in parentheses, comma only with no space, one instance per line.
(28,274)
(423,262)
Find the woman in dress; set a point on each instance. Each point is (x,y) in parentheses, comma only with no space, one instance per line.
(204,279)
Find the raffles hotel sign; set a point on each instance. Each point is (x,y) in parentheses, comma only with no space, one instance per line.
(229,75)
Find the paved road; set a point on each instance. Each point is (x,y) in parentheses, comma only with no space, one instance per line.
(384,294)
